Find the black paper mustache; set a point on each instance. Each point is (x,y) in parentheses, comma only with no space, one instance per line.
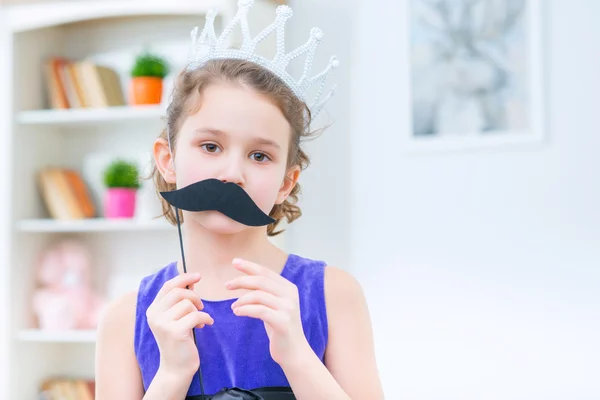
(214,195)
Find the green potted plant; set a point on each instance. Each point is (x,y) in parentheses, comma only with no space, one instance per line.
(122,181)
(147,75)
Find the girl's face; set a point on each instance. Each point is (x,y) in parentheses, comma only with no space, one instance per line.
(236,136)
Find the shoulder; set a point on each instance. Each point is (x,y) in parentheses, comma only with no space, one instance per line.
(116,328)
(345,303)
(119,314)
(123,305)
(337,285)
(342,290)
(122,312)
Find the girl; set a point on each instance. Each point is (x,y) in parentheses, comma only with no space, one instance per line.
(262,318)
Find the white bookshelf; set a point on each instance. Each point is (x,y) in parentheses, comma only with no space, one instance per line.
(111,33)
(85,117)
(39,336)
(47,225)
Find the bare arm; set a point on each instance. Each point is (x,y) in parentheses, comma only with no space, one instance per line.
(350,370)
(350,354)
(117,372)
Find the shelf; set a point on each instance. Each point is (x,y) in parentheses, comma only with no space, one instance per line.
(86,116)
(91,225)
(25,17)
(40,336)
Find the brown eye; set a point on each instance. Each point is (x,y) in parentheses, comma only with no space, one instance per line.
(259,157)
(210,147)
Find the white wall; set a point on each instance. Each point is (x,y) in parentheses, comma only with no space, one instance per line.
(323,231)
(482,269)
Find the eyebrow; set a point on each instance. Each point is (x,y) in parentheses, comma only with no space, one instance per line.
(215,132)
(218,132)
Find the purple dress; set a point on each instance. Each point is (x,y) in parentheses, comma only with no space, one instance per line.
(234,352)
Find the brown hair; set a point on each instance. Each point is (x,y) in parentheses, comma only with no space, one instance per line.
(186,101)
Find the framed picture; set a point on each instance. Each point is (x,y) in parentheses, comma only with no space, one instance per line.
(475,73)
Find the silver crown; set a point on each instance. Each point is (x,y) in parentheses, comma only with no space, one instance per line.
(209,47)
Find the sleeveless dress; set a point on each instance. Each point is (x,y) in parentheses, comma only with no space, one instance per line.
(234,351)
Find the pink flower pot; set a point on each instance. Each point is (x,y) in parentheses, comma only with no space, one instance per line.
(119,203)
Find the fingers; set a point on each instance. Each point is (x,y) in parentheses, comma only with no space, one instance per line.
(181,329)
(174,301)
(259,297)
(278,320)
(176,295)
(250,282)
(195,319)
(180,281)
(250,268)
(180,310)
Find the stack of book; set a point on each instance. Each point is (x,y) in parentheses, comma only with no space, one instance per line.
(65,194)
(82,84)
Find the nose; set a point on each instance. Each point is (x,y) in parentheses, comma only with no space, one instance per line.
(232,172)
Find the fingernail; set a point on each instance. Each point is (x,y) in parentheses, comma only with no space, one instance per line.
(227,284)
(197,275)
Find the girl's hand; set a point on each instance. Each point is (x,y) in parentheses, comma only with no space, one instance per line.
(171,317)
(274,300)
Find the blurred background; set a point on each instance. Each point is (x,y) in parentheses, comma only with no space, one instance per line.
(457,183)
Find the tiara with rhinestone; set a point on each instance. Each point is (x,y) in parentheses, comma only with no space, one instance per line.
(209,47)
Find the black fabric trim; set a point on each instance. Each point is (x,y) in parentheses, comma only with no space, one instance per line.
(263,393)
